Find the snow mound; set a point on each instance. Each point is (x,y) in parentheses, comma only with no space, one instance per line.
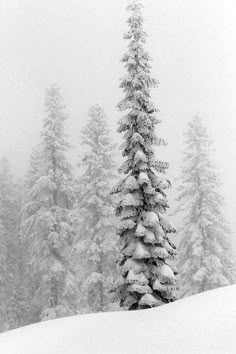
(204,323)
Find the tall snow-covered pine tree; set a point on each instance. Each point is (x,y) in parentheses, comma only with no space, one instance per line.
(147,278)
(205,256)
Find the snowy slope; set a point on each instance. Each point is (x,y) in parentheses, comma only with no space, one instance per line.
(204,323)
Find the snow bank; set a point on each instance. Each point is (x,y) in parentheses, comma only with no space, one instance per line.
(204,323)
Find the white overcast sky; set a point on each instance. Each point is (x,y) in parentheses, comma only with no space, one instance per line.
(78,44)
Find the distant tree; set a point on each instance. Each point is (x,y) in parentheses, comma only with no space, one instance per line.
(3,278)
(46,231)
(96,248)
(9,222)
(205,259)
(12,311)
(17,306)
(9,212)
(29,233)
(147,278)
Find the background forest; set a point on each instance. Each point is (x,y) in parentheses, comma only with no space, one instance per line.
(80,234)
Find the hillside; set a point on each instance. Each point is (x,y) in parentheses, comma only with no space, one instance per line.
(204,323)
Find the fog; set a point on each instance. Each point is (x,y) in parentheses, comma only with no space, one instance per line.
(78,44)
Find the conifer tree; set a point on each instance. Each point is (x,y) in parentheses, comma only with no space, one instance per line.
(12,311)
(46,229)
(9,221)
(9,213)
(29,233)
(147,278)
(96,247)
(3,278)
(205,259)
(17,306)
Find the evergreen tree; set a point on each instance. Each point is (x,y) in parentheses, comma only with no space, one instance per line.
(97,237)
(9,221)
(12,311)
(46,230)
(3,278)
(9,214)
(17,306)
(147,279)
(205,260)
(29,233)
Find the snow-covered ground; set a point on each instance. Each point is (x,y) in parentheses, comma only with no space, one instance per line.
(204,323)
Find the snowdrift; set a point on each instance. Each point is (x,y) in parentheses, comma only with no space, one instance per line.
(204,323)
